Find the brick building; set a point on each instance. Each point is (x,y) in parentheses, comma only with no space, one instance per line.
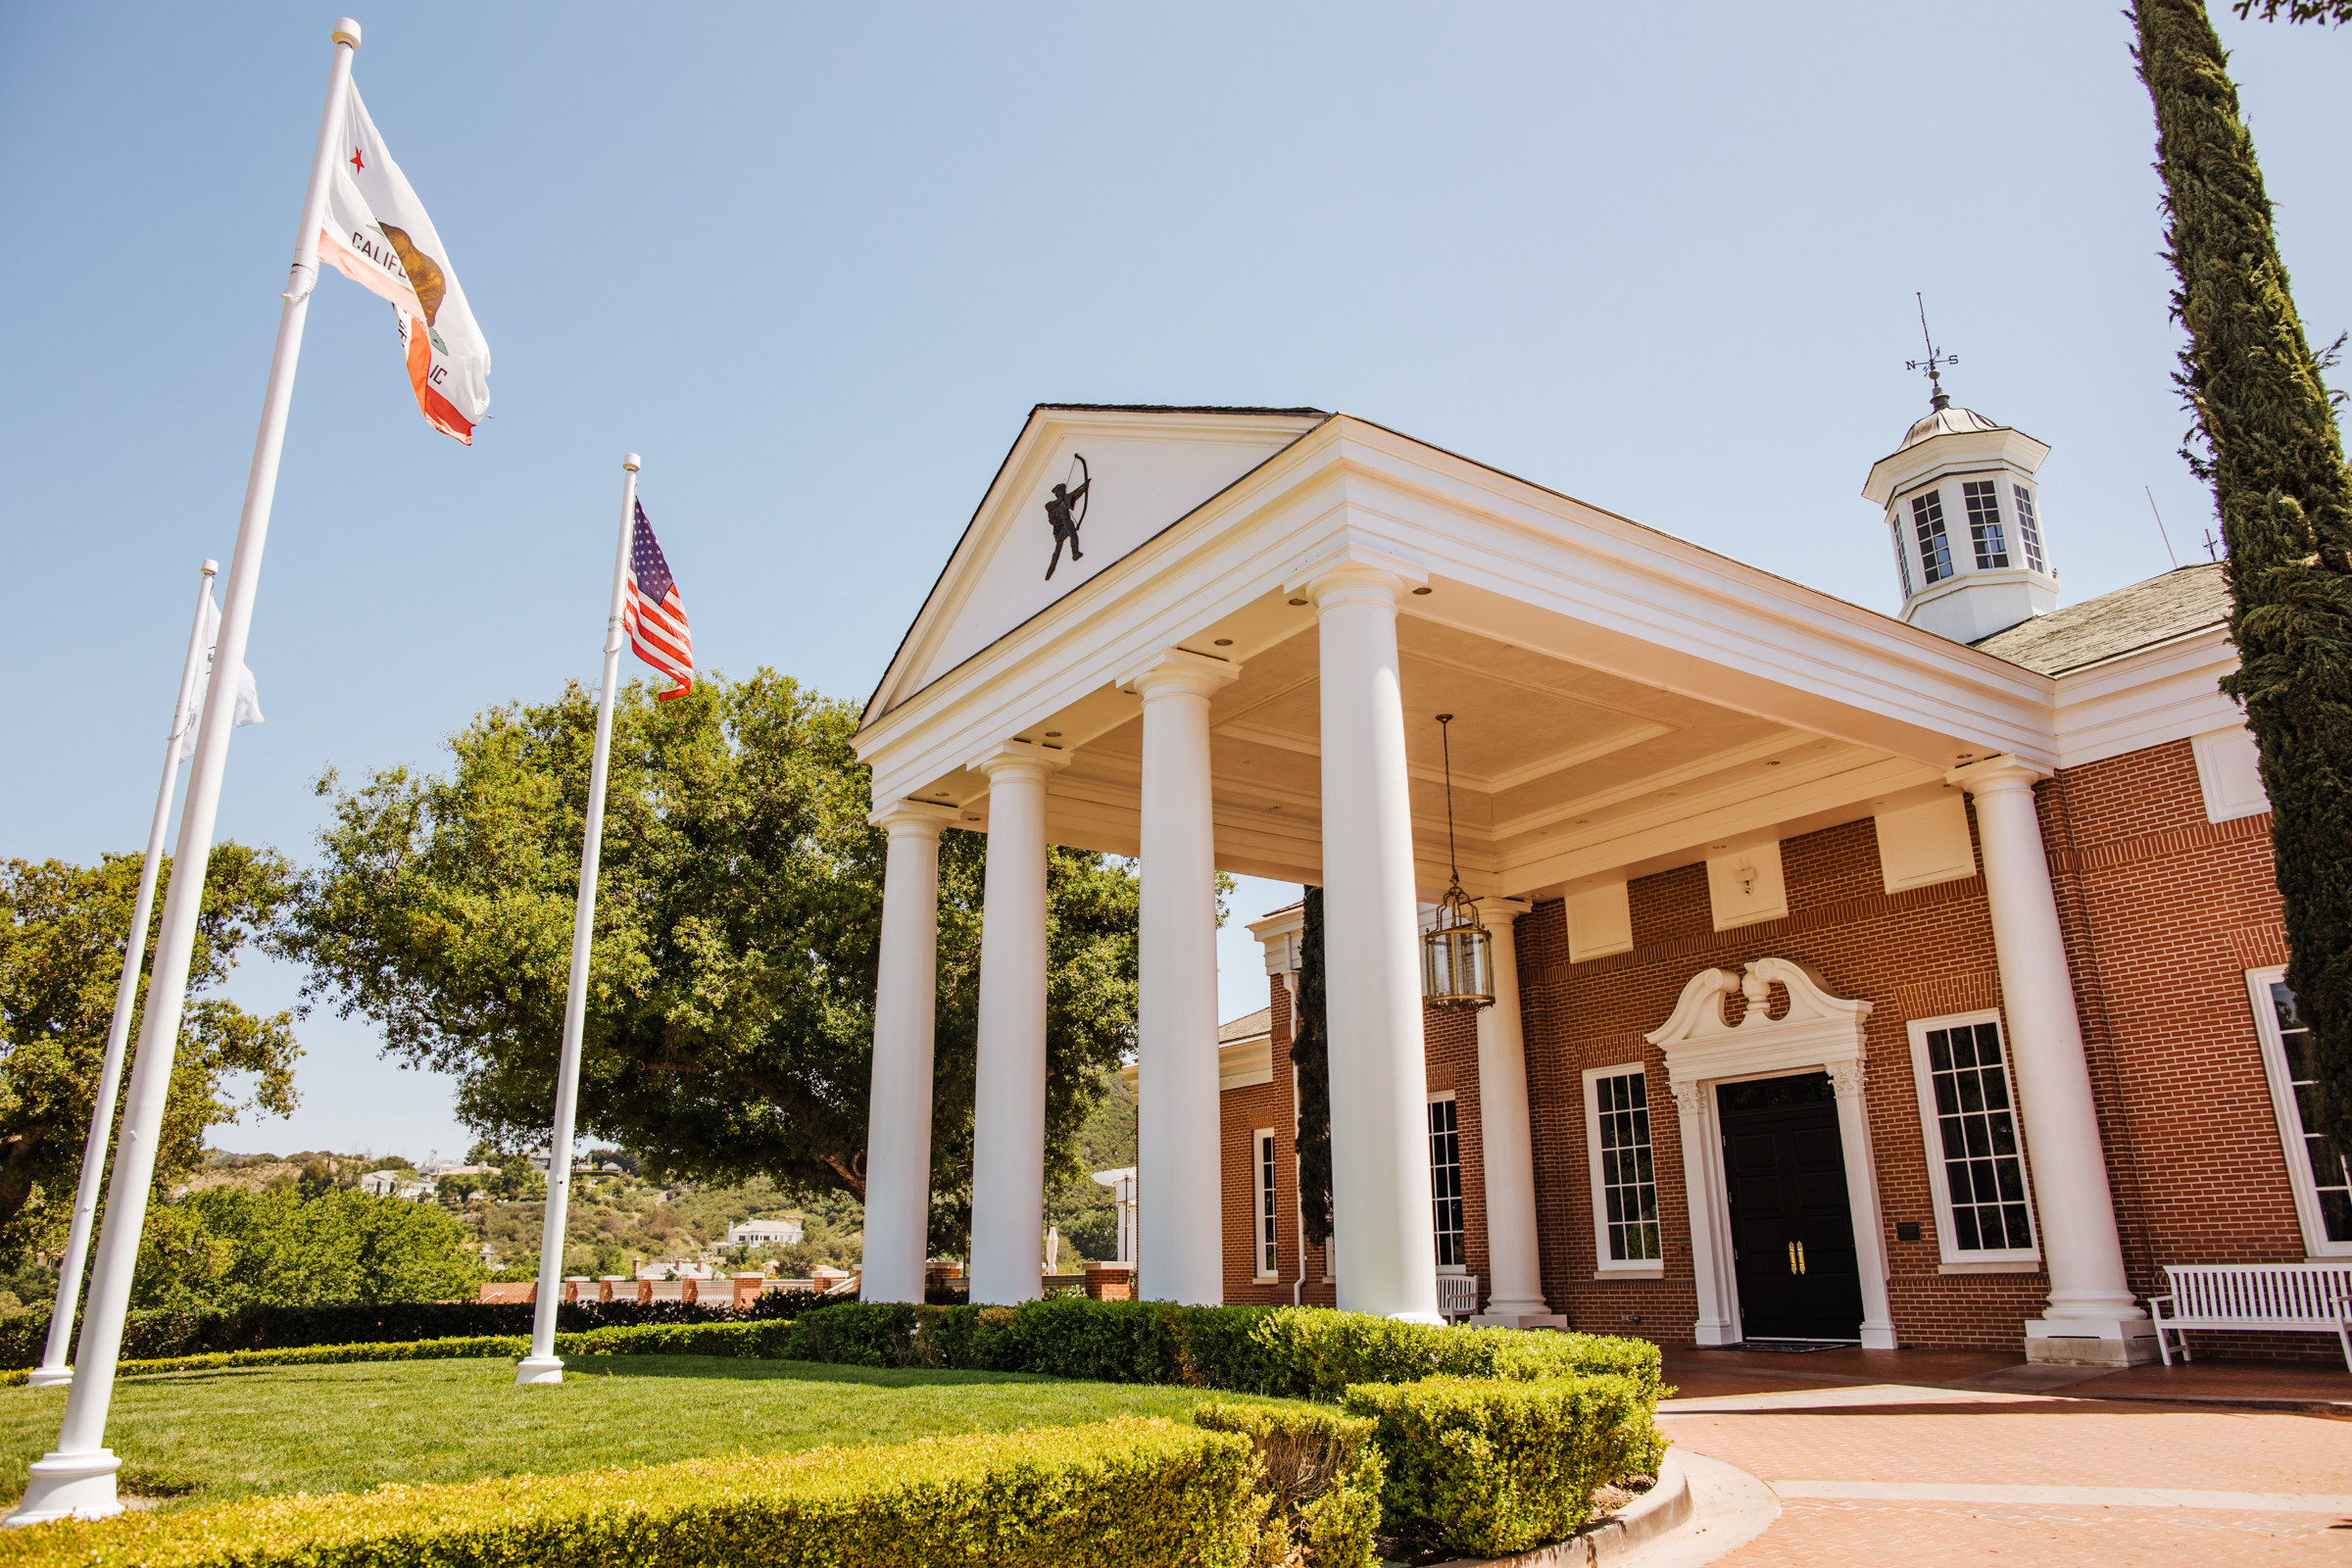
(1904,980)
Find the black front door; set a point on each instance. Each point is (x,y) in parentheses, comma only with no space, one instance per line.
(1792,1229)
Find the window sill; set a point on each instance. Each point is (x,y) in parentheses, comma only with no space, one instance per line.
(1639,1271)
(2020,1267)
(1265,1279)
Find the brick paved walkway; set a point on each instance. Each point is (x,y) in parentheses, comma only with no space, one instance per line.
(1837,1439)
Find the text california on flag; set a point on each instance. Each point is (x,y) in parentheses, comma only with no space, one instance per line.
(655,615)
(376,234)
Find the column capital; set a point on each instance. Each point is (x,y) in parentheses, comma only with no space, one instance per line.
(1020,759)
(1500,911)
(1181,672)
(1998,775)
(913,818)
(1355,568)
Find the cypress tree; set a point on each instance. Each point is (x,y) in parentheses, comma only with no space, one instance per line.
(1310,1053)
(2267,426)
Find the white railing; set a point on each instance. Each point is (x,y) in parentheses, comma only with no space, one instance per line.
(1457,1296)
(2276,1298)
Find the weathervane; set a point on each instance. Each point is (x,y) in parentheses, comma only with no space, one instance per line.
(1068,509)
(1938,398)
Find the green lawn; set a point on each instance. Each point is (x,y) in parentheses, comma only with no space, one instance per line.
(209,1436)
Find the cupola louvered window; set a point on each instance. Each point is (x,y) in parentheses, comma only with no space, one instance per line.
(2029,527)
(1984,499)
(1935,550)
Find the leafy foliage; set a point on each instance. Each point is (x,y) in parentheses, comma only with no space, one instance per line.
(1122,1494)
(1486,1467)
(2267,425)
(729,1027)
(1322,1476)
(224,1248)
(63,928)
(1310,1053)
(2338,12)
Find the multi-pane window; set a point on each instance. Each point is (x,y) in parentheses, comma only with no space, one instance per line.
(2321,1173)
(1267,1259)
(1626,1181)
(1984,499)
(1976,1158)
(1902,560)
(2029,527)
(1446,1179)
(1935,550)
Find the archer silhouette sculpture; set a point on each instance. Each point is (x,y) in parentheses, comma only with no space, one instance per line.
(1065,527)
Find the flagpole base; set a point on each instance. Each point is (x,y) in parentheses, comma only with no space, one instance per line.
(533,1370)
(69,1486)
(49,1376)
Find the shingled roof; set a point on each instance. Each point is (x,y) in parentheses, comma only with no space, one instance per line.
(2183,601)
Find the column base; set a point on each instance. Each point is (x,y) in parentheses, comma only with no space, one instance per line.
(1714,1332)
(533,1370)
(69,1486)
(1878,1336)
(49,1376)
(1435,1320)
(2090,1341)
(1509,1316)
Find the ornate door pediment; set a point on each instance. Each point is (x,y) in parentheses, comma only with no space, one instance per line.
(1814,1029)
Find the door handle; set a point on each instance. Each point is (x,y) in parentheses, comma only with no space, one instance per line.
(1797,1257)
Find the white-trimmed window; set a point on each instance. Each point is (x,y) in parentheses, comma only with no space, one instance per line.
(1261,1147)
(2029,527)
(1446,1180)
(1934,550)
(1625,1178)
(2314,1165)
(1976,1148)
(1982,498)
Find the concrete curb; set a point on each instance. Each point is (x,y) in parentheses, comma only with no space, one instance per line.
(1661,1511)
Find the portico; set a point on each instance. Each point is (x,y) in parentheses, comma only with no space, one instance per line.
(1243,674)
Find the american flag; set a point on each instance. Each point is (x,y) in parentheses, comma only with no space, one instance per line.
(654,615)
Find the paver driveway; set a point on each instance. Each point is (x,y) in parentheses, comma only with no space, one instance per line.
(1901,1473)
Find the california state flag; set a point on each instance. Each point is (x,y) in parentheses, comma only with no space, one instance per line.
(378,235)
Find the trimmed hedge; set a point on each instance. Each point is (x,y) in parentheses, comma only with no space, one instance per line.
(1320,1477)
(155,1334)
(1301,1353)
(1487,1466)
(1130,1493)
(742,1341)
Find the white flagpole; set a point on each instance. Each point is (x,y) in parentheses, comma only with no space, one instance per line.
(77,1477)
(53,1371)
(543,1365)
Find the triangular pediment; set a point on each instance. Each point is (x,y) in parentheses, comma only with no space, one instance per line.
(1148,469)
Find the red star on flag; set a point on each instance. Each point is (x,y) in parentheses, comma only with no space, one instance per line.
(356,161)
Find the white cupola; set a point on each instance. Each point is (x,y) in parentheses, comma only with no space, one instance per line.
(1963,511)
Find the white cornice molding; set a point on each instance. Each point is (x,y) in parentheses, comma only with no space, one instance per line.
(1818,1030)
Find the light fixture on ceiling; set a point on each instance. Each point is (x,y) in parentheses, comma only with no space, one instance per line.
(1457,955)
(1297,602)
(1224,641)
(1425,590)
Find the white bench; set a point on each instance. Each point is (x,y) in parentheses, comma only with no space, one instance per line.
(2279,1298)
(1457,1296)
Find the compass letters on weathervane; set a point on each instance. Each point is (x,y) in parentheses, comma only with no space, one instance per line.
(1068,509)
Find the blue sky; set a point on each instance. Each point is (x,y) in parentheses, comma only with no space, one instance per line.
(816,264)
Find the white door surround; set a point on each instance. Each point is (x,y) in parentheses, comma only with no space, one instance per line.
(1816,1032)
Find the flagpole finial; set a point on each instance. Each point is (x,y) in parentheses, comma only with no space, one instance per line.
(211,568)
(631,462)
(346,31)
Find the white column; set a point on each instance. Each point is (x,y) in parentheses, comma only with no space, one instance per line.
(898,1117)
(1008,1112)
(2090,1298)
(1182,1247)
(1848,1079)
(1515,1269)
(1387,1260)
(1710,1241)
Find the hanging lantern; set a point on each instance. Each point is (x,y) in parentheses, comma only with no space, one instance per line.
(1457,953)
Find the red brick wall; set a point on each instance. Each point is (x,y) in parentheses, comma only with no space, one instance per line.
(1243,1110)
(2162,912)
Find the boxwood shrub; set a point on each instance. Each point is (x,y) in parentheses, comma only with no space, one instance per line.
(1320,1476)
(1129,1494)
(1490,1465)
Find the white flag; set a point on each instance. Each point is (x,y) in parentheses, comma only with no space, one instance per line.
(249,696)
(378,235)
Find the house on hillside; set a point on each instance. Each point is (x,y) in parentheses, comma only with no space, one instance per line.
(1908,980)
(780,1230)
